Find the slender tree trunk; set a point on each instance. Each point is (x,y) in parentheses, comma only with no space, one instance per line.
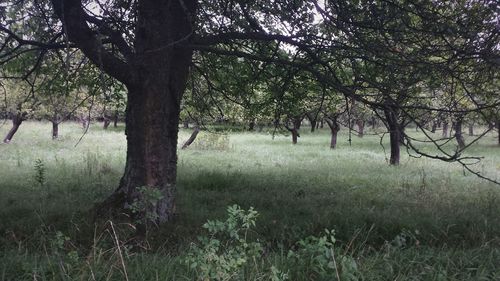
(295,135)
(191,139)
(55,129)
(17,119)
(115,119)
(153,107)
(498,129)
(361,127)
(471,129)
(458,132)
(374,123)
(251,126)
(294,130)
(311,117)
(321,123)
(445,129)
(394,135)
(434,127)
(106,123)
(334,128)
(313,126)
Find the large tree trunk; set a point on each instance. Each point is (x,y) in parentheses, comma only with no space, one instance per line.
(334,128)
(394,135)
(458,132)
(191,139)
(17,119)
(153,107)
(151,128)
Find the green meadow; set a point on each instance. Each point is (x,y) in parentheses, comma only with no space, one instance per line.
(423,220)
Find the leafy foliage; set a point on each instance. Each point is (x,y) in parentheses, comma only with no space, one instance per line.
(223,254)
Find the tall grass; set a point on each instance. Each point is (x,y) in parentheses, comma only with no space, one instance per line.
(423,220)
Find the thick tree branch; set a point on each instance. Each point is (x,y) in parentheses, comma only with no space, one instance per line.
(74,20)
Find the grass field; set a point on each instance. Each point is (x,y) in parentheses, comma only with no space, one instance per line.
(423,220)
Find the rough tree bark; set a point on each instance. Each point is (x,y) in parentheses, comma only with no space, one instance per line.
(334,128)
(17,119)
(154,106)
(154,69)
(394,135)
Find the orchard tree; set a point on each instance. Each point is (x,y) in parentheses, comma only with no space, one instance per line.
(334,107)
(149,45)
(19,105)
(63,90)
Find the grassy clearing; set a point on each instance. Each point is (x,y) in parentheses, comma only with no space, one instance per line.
(424,220)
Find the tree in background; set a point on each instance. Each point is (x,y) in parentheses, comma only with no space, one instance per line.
(149,46)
